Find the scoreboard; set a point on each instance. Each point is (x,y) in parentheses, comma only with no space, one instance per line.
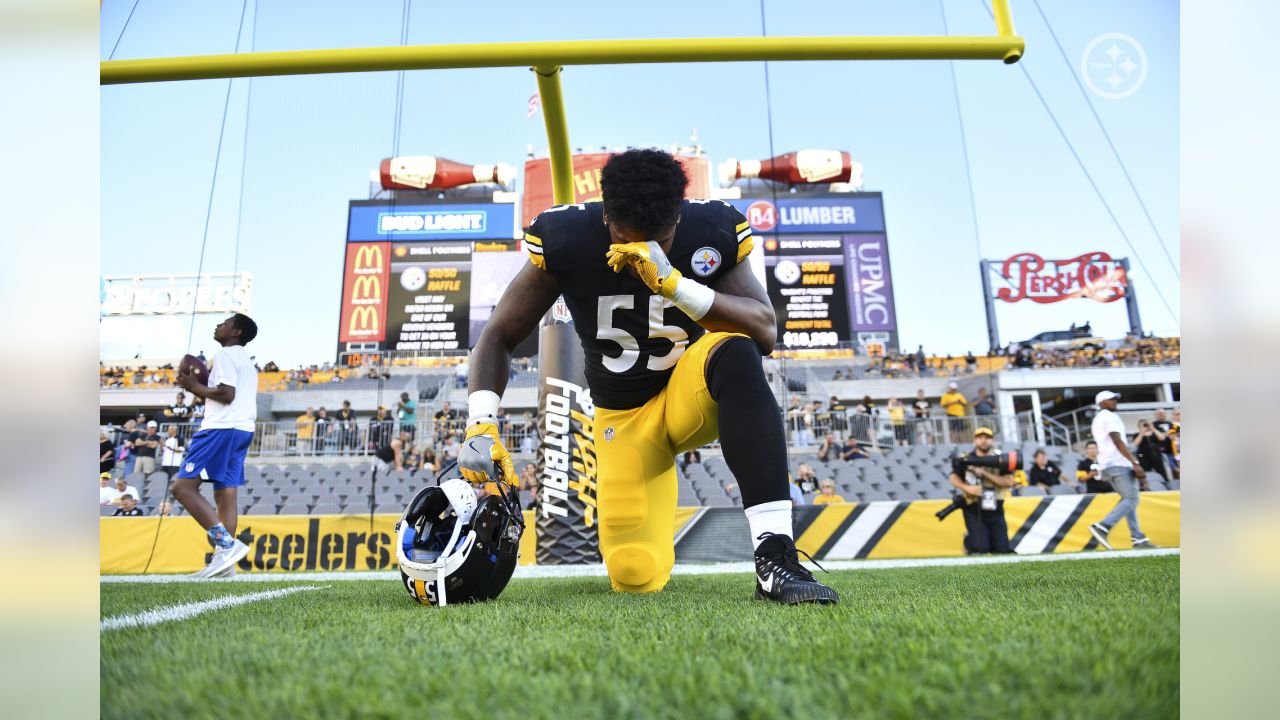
(424,275)
(826,267)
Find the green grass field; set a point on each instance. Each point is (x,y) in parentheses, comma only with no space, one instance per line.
(1046,640)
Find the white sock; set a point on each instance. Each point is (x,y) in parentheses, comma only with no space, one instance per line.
(774,517)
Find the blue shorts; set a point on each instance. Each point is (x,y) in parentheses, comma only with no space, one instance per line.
(217,456)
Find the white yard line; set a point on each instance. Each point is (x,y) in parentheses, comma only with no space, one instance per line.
(190,610)
(541,571)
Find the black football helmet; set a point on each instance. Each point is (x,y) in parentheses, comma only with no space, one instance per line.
(452,548)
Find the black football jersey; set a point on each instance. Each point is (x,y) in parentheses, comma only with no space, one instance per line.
(631,336)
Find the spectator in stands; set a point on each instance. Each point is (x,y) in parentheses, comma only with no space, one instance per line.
(1088,471)
(430,465)
(123,488)
(827,493)
(806,478)
(839,414)
(197,410)
(921,360)
(171,453)
(982,405)
(797,495)
(388,457)
(106,454)
(124,452)
(107,491)
(449,451)
(1118,469)
(898,420)
(920,408)
(460,374)
(180,410)
(322,429)
(347,431)
(445,420)
(1044,474)
(128,506)
(305,425)
(145,448)
(529,482)
(691,457)
(817,420)
(412,456)
(1149,451)
(529,431)
(380,428)
(407,414)
(954,402)
(201,357)
(970,362)
(271,367)
(827,448)
(852,450)
(1162,428)
(164,509)
(795,421)
(983,492)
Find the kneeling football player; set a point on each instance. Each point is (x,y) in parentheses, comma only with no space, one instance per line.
(673,324)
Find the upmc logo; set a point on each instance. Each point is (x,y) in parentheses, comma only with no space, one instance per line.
(762,215)
(364,299)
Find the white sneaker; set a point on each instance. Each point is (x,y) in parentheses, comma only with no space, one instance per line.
(1100,534)
(225,558)
(230,572)
(204,572)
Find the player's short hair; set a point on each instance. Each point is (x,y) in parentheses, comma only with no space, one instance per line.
(643,189)
(247,327)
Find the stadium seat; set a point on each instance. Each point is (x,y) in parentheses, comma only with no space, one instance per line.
(1061,489)
(1031,491)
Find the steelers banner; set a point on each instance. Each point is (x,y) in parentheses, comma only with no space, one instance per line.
(277,543)
(840,531)
(849,531)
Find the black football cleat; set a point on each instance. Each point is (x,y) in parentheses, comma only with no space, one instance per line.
(780,576)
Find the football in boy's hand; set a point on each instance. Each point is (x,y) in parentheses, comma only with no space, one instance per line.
(193,364)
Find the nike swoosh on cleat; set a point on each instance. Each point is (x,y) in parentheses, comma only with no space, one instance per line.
(767,585)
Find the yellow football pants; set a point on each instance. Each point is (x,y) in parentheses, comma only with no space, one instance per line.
(635,461)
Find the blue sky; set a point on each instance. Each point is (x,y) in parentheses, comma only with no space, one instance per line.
(311,141)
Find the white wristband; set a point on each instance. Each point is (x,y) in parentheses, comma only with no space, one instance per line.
(482,405)
(694,298)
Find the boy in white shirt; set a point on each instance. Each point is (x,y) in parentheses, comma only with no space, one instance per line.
(217,451)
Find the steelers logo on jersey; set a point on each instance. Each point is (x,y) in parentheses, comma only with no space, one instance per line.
(705,261)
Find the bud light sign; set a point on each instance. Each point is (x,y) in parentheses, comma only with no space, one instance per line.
(870,285)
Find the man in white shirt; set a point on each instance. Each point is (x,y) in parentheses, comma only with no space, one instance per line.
(106,492)
(1118,468)
(218,450)
(171,455)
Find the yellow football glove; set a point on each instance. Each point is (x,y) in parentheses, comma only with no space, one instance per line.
(481,452)
(649,262)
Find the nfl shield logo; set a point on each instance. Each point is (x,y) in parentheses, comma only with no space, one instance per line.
(560,311)
(608,434)
(705,261)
